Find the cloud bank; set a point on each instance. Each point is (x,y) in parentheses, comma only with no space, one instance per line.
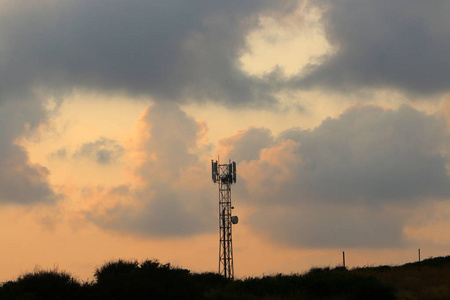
(343,182)
(392,44)
(170,50)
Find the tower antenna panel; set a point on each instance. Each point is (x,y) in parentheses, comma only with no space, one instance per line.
(234,172)
(214,171)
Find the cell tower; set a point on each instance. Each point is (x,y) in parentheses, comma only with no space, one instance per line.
(225,175)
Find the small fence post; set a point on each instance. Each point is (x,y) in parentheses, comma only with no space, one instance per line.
(343,258)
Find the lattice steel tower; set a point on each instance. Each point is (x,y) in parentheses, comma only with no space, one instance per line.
(225,175)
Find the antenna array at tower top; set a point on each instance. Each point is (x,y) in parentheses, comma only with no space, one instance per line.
(223,173)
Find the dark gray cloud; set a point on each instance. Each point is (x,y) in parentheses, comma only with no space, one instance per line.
(21,182)
(331,226)
(174,198)
(168,49)
(104,151)
(247,144)
(347,173)
(371,154)
(396,44)
(182,50)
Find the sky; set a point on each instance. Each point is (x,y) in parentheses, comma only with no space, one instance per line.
(336,113)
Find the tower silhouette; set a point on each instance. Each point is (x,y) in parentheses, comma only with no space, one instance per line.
(225,176)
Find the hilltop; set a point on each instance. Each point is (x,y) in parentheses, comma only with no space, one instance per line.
(428,279)
(150,279)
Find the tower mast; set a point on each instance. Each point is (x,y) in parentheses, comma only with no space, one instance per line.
(225,176)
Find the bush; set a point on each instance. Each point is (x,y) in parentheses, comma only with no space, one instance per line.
(148,280)
(317,284)
(152,280)
(41,284)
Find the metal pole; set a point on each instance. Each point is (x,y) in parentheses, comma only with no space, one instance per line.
(225,254)
(343,258)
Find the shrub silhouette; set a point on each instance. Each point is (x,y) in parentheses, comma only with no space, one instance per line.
(152,280)
(41,284)
(214,285)
(340,283)
(211,280)
(316,284)
(147,280)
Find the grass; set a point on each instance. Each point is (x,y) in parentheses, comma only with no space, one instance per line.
(427,280)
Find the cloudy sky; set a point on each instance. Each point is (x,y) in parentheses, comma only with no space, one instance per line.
(336,113)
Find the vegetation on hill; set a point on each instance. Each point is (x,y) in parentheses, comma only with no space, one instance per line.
(152,280)
(425,280)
